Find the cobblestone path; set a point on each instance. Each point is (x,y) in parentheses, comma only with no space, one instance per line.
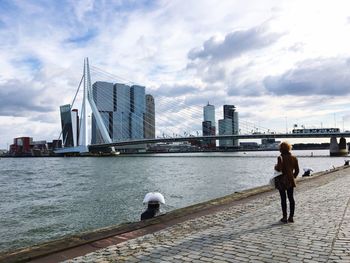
(251,232)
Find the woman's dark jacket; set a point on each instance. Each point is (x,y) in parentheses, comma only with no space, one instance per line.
(288,165)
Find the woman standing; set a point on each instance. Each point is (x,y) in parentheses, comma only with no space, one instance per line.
(285,183)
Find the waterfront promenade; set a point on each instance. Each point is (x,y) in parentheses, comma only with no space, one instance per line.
(249,231)
(243,227)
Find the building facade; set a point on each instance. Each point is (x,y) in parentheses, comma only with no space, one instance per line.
(21,146)
(207,130)
(230,119)
(75,126)
(102,90)
(26,147)
(209,114)
(122,109)
(137,111)
(149,123)
(208,125)
(70,126)
(121,114)
(225,128)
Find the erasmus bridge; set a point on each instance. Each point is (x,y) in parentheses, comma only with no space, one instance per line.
(168,110)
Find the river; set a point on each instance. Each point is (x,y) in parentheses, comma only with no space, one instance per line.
(47,198)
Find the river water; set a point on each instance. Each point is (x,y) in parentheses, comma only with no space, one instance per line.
(47,198)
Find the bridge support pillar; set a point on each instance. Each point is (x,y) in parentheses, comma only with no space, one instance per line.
(336,149)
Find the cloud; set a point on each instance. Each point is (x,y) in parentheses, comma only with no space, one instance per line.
(222,61)
(248,89)
(175,90)
(330,76)
(83,38)
(82,8)
(16,99)
(48,117)
(234,44)
(296,47)
(201,99)
(30,63)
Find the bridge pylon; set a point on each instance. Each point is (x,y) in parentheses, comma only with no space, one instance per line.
(336,149)
(83,145)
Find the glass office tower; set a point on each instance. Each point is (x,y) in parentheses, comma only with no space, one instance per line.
(122,109)
(149,124)
(208,125)
(137,111)
(66,124)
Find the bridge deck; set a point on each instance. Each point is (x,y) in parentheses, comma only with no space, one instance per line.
(225,137)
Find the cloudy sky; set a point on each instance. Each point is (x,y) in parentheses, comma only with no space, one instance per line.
(279,62)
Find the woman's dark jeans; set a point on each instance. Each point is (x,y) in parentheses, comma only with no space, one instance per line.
(284,201)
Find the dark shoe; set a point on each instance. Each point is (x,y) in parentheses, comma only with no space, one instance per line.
(290,220)
(284,220)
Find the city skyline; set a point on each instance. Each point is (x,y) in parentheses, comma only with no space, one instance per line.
(288,59)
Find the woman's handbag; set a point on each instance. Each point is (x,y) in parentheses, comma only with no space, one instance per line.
(275,180)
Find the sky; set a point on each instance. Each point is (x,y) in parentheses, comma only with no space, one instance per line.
(279,62)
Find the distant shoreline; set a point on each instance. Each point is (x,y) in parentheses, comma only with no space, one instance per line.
(172,152)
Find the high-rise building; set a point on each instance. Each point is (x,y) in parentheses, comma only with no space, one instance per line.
(70,126)
(137,111)
(207,130)
(209,114)
(75,127)
(225,128)
(122,109)
(103,95)
(208,125)
(149,123)
(229,111)
(230,119)
(121,114)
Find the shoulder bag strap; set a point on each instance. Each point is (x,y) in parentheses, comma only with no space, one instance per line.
(282,162)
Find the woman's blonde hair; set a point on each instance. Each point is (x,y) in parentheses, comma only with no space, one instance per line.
(285,147)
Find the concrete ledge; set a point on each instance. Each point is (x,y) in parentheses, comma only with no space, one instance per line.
(123,232)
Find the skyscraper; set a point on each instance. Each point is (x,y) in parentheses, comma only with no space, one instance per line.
(209,114)
(75,126)
(225,128)
(149,118)
(137,111)
(121,114)
(70,126)
(230,118)
(208,125)
(229,111)
(103,95)
(122,109)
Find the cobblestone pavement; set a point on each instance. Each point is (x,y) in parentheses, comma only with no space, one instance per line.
(251,232)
